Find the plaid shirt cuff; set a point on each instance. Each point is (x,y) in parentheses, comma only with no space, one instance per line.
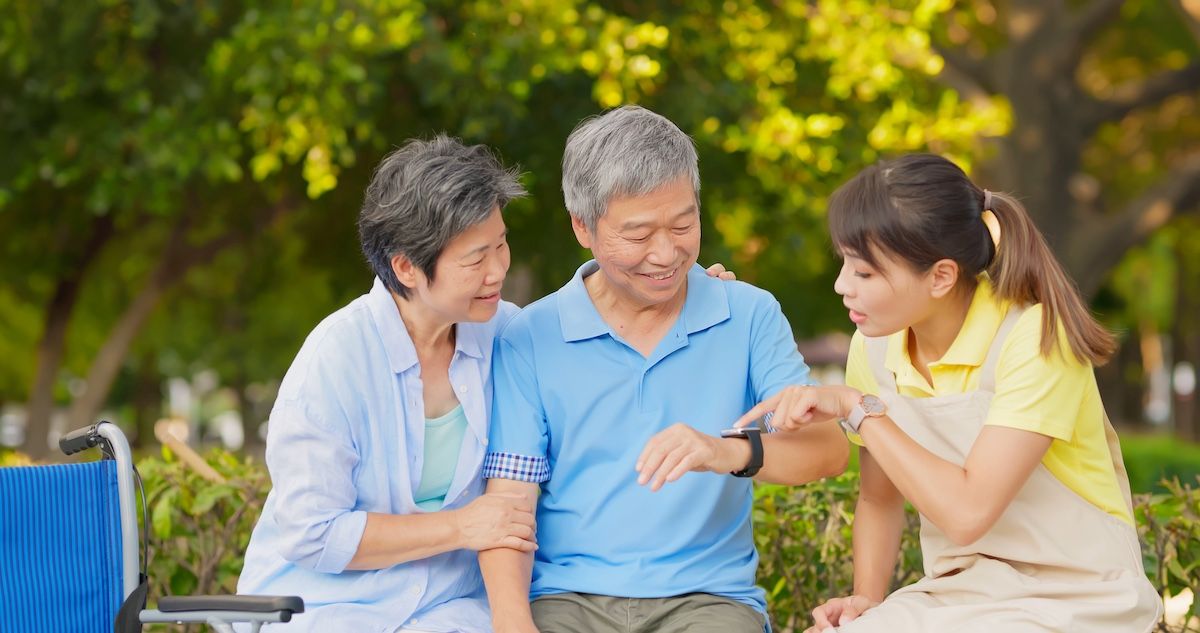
(534,470)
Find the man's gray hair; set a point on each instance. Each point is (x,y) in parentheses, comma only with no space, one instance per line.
(425,194)
(629,151)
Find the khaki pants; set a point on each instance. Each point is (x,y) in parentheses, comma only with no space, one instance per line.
(690,613)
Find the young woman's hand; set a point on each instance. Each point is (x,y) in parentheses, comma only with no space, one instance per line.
(799,405)
(839,611)
(718,270)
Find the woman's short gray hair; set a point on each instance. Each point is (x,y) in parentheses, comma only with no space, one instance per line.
(629,151)
(425,194)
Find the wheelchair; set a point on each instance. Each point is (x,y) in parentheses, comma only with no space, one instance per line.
(69,551)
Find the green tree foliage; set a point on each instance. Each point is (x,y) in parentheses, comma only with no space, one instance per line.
(180,179)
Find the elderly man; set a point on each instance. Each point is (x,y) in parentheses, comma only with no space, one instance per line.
(611,390)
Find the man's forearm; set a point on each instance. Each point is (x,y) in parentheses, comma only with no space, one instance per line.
(506,574)
(799,457)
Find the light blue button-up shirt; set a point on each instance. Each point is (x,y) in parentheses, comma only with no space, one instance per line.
(346,437)
(574,407)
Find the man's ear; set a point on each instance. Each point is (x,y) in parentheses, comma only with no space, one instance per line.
(943,276)
(405,271)
(582,235)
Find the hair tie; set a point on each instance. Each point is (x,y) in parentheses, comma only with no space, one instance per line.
(989,218)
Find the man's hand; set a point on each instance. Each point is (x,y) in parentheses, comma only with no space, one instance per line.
(496,520)
(839,611)
(680,449)
(800,405)
(718,270)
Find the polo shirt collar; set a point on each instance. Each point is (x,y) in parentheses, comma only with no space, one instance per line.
(577,314)
(398,345)
(707,304)
(970,347)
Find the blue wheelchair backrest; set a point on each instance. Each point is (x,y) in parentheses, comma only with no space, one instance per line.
(60,548)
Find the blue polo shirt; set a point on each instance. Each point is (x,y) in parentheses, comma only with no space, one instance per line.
(573,407)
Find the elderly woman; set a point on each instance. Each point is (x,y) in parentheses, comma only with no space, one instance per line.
(380,426)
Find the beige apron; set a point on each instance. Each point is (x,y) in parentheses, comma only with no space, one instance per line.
(1052,562)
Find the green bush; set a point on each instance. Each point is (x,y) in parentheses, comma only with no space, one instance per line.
(9,457)
(1169,527)
(1154,459)
(200,531)
(804,540)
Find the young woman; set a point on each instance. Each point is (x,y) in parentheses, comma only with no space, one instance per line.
(971,394)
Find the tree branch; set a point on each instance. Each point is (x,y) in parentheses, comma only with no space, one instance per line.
(1095,16)
(1191,16)
(177,258)
(1149,92)
(1178,192)
(972,78)
(960,67)
(1082,27)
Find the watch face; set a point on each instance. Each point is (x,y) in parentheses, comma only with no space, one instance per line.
(873,406)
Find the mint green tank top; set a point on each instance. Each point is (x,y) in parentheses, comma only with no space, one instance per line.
(443,440)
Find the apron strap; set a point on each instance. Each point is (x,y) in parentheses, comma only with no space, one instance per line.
(1114,449)
(987,377)
(877,358)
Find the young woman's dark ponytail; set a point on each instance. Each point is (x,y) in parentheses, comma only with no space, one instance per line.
(923,209)
(1025,271)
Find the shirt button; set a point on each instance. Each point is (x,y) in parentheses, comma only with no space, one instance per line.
(416,590)
(462,388)
(485,441)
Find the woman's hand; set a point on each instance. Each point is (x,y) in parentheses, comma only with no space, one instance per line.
(718,270)
(496,520)
(799,405)
(839,611)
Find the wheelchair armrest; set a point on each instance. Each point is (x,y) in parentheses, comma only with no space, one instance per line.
(249,604)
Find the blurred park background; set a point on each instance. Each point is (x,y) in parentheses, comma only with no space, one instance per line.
(180,179)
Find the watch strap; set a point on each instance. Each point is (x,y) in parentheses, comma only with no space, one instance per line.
(854,420)
(754,436)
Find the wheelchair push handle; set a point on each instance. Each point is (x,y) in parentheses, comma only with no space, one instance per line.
(79,440)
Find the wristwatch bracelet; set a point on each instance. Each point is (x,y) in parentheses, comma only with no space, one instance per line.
(753,435)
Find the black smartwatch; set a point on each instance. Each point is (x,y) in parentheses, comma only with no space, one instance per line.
(753,435)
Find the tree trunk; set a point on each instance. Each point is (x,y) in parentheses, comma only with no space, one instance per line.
(177,258)
(147,400)
(1054,120)
(252,444)
(1186,344)
(51,347)
(107,362)
(1040,157)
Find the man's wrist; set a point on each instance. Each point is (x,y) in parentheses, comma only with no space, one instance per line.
(734,455)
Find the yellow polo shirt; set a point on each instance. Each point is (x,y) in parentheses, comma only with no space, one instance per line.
(1054,395)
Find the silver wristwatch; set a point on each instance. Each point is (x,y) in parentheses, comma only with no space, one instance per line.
(868,407)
